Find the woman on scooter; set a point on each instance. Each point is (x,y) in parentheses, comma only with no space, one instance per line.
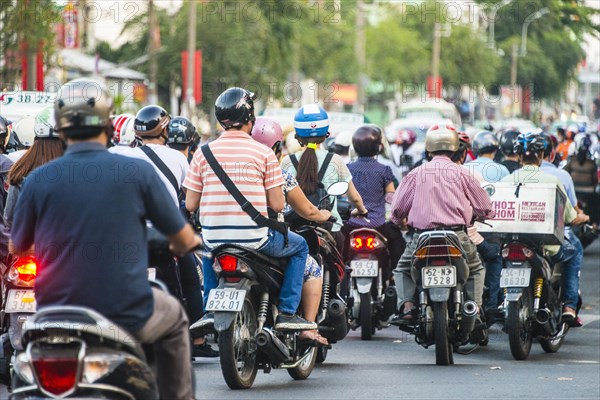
(312,128)
(269,133)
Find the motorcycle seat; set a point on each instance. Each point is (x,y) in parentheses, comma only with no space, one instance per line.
(244,252)
(79,321)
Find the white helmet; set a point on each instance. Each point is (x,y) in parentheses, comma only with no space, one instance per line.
(344,138)
(24,129)
(45,123)
(127,136)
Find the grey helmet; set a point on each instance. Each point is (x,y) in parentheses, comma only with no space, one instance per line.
(45,123)
(83,103)
(441,138)
(485,142)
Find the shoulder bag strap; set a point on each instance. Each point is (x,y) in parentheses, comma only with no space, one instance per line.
(162,167)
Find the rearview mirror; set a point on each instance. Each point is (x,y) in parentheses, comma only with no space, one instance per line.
(338,188)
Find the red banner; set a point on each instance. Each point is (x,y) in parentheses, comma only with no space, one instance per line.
(197,75)
(434,87)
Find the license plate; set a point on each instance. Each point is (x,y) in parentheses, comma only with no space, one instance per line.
(364,268)
(434,277)
(151,274)
(227,299)
(515,277)
(20,300)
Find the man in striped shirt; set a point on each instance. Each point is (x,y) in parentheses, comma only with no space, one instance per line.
(254,170)
(439,195)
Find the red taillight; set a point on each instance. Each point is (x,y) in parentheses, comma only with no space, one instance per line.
(438,262)
(517,252)
(56,375)
(364,243)
(228,263)
(26,267)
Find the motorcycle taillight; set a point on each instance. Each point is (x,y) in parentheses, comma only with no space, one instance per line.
(517,252)
(56,375)
(364,242)
(26,267)
(228,263)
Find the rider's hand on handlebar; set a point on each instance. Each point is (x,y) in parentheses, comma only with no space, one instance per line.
(580,219)
(359,212)
(324,215)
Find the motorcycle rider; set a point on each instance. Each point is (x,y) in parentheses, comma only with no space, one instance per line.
(256,172)
(46,146)
(151,124)
(269,133)
(375,184)
(438,195)
(23,129)
(585,177)
(82,267)
(507,141)
(530,147)
(311,123)
(5,165)
(485,146)
(563,146)
(489,250)
(183,136)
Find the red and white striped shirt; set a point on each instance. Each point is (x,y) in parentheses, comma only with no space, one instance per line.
(254,169)
(440,194)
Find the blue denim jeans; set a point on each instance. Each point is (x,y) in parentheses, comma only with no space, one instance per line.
(490,254)
(291,289)
(570,255)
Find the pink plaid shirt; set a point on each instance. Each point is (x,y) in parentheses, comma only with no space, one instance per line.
(438,194)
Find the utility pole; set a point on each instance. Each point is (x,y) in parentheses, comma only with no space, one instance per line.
(513,75)
(189,95)
(153,50)
(359,49)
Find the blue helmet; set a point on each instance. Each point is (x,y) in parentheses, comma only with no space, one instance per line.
(311,121)
(529,143)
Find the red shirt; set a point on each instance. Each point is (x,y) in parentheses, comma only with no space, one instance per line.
(438,194)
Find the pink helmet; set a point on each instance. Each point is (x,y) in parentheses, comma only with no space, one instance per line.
(267,131)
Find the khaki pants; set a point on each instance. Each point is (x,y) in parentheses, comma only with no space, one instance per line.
(406,287)
(167,328)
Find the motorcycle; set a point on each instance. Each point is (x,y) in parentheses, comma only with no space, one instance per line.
(17,305)
(532,302)
(372,298)
(333,313)
(72,351)
(444,317)
(245,314)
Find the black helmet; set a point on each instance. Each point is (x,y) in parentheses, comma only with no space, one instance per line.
(507,140)
(529,143)
(485,142)
(235,108)
(367,140)
(182,131)
(151,122)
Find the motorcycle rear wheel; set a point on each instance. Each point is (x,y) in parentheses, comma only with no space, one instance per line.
(518,325)
(366,317)
(553,345)
(443,348)
(305,368)
(237,348)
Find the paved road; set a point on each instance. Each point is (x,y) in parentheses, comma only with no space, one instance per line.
(393,366)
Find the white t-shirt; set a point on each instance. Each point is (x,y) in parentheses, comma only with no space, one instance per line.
(173,159)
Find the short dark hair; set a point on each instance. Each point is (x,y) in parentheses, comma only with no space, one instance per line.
(442,153)
(533,158)
(82,133)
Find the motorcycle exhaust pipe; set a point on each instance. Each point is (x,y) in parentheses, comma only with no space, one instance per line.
(542,317)
(336,318)
(390,299)
(270,345)
(469,316)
